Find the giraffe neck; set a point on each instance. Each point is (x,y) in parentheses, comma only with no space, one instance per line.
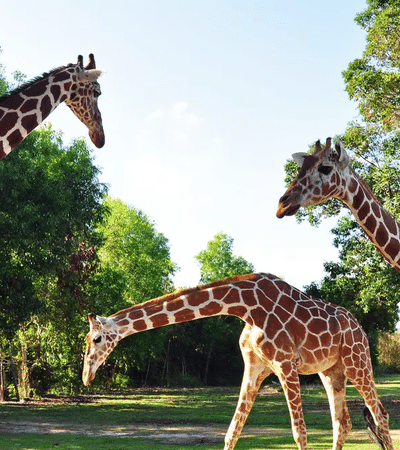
(219,298)
(380,227)
(25,108)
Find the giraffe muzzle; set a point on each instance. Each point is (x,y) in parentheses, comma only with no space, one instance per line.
(87,377)
(285,207)
(97,137)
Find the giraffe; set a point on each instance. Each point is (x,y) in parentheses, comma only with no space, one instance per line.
(286,333)
(26,107)
(327,173)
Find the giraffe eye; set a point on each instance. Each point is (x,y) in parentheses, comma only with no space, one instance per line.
(325,170)
(97,340)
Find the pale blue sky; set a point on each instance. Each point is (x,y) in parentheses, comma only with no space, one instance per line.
(202,104)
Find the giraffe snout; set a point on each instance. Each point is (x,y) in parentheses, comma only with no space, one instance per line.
(286,206)
(97,137)
(284,198)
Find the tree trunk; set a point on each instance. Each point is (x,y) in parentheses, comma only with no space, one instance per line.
(14,374)
(165,371)
(2,380)
(207,365)
(24,372)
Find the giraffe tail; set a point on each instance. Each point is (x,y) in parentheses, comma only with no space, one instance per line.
(374,430)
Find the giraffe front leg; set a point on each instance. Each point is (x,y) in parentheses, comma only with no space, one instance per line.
(334,381)
(253,376)
(289,379)
(255,372)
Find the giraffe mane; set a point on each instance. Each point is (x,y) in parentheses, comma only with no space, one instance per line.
(366,186)
(200,287)
(31,82)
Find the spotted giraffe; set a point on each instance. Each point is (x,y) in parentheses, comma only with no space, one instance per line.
(326,173)
(287,333)
(26,107)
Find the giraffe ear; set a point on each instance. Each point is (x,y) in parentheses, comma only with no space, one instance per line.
(299,157)
(91,317)
(104,322)
(92,321)
(91,75)
(97,322)
(343,157)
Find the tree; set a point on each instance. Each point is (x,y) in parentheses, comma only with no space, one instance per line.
(5,85)
(373,79)
(132,245)
(50,202)
(135,266)
(389,351)
(217,261)
(362,281)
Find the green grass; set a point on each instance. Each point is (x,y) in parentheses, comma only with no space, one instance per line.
(101,421)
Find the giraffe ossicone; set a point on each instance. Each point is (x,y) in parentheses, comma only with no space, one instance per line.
(23,109)
(286,332)
(327,173)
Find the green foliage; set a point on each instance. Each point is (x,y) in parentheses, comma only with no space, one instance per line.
(361,280)
(389,351)
(5,85)
(372,80)
(3,81)
(135,266)
(217,261)
(132,245)
(50,200)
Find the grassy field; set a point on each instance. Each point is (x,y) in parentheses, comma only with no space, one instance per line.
(182,419)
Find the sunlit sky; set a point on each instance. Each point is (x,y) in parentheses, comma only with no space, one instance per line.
(203,102)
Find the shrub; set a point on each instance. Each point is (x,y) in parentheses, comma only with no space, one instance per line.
(389,351)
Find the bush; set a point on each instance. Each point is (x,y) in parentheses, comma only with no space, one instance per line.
(41,377)
(389,351)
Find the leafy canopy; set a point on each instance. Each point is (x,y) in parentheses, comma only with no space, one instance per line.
(132,246)
(217,260)
(50,200)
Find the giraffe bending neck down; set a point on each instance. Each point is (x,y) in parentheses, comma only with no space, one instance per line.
(287,333)
(26,107)
(325,174)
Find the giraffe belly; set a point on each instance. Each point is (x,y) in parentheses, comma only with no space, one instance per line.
(315,361)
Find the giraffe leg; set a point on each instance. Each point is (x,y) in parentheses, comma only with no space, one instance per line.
(334,382)
(289,378)
(356,360)
(377,416)
(255,372)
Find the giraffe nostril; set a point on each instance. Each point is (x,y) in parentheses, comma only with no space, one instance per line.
(284,199)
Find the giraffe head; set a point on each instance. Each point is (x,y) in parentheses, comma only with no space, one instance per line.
(82,95)
(100,341)
(323,174)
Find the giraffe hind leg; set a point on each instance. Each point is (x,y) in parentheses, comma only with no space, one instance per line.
(373,429)
(378,428)
(334,382)
(376,414)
